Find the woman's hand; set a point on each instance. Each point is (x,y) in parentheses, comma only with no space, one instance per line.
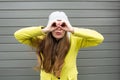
(67,27)
(64,25)
(50,27)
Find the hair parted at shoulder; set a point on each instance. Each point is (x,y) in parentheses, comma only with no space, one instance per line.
(51,53)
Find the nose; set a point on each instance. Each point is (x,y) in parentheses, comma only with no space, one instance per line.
(59,29)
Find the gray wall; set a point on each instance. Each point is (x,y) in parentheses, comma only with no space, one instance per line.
(97,63)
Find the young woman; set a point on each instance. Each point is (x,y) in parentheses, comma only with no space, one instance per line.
(57,46)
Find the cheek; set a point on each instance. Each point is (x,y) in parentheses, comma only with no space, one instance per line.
(63,33)
(53,34)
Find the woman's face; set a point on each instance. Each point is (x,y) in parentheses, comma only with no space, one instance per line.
(58,33)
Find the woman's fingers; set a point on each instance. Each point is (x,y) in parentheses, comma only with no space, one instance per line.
(53,28)
(59,24)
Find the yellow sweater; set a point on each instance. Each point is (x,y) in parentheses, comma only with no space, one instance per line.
(81,38)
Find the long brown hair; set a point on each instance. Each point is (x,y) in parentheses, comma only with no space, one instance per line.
(52,52)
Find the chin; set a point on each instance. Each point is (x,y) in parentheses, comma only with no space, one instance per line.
(59,38)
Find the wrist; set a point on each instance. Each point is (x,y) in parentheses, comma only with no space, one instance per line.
(72,30)
(45,30)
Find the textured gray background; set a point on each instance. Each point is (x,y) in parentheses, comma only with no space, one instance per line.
(96,63)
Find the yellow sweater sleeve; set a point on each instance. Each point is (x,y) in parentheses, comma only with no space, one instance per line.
(27,35)
(89,37)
